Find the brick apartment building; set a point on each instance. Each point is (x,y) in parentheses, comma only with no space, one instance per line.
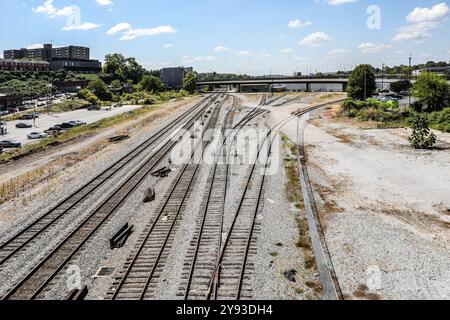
(70,58)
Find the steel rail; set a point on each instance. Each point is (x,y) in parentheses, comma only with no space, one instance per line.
(165,149)
(117,289)
(12,248)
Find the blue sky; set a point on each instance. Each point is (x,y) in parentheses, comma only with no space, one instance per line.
(246,36)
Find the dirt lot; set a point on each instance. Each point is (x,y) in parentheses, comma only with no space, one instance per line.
(386,208)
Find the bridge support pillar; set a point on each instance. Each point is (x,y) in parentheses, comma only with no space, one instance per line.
(344,87)
(308,87)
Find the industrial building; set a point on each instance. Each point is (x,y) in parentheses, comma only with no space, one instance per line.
(70,58)
(173,78)
(9,99)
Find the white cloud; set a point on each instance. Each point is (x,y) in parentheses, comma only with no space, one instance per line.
(368,48)
(296,24)
(338,2)
(221,49)
(51,11)
(105,2)
(168,45)
(264,56)
(338,53)
(421,22)
(315,39)
(243,53)
(35,46)
(287,50)
(426,56)
(120,27)
(82,26)
(187,59)
(132,34)
(436,13)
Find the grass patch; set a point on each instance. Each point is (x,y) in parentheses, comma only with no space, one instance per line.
(293,191)
(389,115)
(362,292)
(274,254)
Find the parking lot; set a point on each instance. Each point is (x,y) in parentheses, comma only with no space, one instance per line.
(46,121)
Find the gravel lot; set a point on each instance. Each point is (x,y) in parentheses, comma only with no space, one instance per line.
(384,206)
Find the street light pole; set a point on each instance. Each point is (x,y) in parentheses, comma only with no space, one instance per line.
(365,84)
(382,80)
(410,77)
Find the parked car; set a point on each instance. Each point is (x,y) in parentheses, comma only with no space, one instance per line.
(67,125)
(53,130)
(405,93)
(80,123)
(94,108)
(23,125)
(30,116)
(37,135)
(394,96)
(10,144)
(117,105)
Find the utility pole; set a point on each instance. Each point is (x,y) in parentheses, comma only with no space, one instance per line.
(365,84)
(271,78)
(382,80)
(410,78)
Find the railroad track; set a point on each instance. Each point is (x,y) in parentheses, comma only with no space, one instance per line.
(266,103)
(206,243)
(40,278)
(145,265)
(232,274)
(20,241)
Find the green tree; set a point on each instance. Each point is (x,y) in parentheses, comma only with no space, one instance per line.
(432,90)
(116,84)
(123,69)
(362,83)
(422,137)
(151,84)
(99,88)
(189,83)
(88,96)
(400,86)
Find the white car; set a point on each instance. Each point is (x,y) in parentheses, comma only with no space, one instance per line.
(37,135)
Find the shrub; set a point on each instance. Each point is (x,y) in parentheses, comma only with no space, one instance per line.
(422,137)
(440,120)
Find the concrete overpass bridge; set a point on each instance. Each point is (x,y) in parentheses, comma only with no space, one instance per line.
(270,84)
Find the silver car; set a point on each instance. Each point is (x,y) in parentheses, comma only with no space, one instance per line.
(37,135)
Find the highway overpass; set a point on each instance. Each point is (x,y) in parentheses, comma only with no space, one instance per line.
(268,83)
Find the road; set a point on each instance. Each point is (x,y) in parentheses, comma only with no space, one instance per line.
(46,121)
